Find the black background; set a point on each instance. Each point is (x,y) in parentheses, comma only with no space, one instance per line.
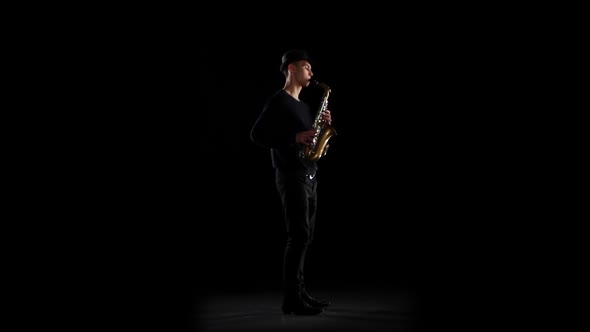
(428,185)
(415,192)
(411,192)
(412,165)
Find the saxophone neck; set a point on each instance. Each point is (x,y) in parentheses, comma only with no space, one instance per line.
(322,85)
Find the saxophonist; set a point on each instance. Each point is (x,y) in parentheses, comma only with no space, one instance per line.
(285,126)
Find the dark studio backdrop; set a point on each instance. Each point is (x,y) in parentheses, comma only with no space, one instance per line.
(408,193)
(417,191)
(414,192)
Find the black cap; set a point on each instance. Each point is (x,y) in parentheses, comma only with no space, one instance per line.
(293,56)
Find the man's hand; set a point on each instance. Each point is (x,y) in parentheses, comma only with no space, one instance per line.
(305,137)
(327,116)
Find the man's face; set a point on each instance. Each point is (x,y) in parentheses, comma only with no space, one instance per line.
(302,72)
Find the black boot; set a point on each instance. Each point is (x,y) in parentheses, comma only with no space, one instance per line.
(312,301)
(293,303)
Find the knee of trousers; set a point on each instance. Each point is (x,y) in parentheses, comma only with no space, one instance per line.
(299,242)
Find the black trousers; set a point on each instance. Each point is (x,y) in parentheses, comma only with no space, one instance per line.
(298,192)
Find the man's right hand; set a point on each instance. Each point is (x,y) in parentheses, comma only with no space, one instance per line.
(305,137)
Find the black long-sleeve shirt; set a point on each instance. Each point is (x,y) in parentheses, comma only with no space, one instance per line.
(281,119)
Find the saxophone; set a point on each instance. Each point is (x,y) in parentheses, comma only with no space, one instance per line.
(318,146)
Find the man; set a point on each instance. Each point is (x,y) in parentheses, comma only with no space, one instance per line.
(285,127)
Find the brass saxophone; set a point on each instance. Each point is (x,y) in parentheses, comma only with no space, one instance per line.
(318,146)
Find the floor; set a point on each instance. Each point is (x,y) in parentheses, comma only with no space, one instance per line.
(351,310)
